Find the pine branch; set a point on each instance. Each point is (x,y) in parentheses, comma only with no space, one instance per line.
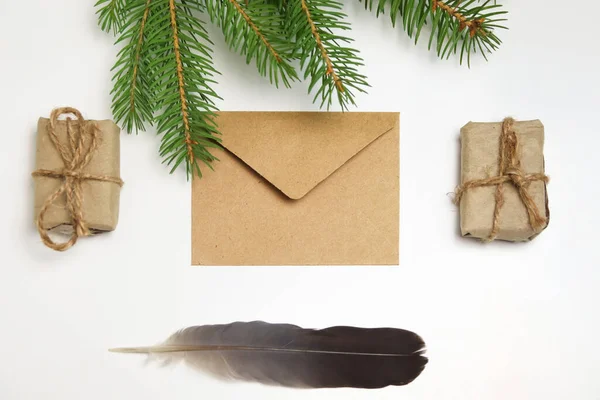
(465,25)
(185,116)
(110,14)
(164,73)
(132,92)
(181,71)
(324,56)
(255,29)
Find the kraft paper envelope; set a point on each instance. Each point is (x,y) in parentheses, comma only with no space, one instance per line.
(300,188)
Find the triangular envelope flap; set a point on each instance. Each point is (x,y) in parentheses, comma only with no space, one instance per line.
(295,151)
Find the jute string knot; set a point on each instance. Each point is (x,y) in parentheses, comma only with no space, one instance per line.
(75,156)
(516,177)
(509,172)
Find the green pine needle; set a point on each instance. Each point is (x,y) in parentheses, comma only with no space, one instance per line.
(110,14)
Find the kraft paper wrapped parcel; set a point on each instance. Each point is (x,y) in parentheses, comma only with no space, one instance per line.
(100,205)
(480,160)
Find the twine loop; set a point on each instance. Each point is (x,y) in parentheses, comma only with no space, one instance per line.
(75,156)
(510,172)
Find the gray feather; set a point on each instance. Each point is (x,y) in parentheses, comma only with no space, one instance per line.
(287,355)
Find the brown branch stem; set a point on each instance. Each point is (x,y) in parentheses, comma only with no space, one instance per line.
(138,51)
(474,25)
(184,106)
(313,28)
(252,25)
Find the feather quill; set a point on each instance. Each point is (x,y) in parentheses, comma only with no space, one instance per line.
(288,355)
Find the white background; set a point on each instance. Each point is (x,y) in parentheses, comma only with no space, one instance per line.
(502,321)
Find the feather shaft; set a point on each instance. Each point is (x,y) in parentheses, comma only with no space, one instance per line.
(184,348)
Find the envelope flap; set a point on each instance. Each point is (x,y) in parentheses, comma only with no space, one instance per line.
(296,151)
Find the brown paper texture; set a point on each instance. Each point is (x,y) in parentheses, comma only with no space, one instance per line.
(300,188)
(100,199)
(480,152)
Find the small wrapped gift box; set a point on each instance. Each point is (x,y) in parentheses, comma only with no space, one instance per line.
(77,177)
(503,191)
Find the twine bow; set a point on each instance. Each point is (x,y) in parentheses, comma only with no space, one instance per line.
(510,172)
(76,156)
